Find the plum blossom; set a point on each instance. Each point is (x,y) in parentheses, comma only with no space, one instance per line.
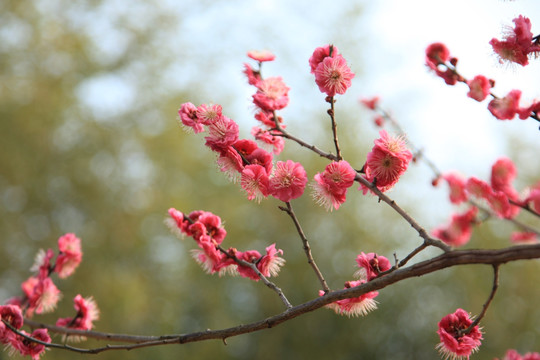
(13,315)
(456,183)
(387,161)
(454,343)
(70,255)
(517,44)
(479,87)
(320,54)
(459,231)
(255,182)
(507,107)
(209,114)
(261,55)
(330,186)
(514,355)
(333,75)
(268,264)
(272,94)
(288,180)
(30,348)
(524,237)
(370,103)
(371,265)
(222,133)
(188,117)
(87,313)
(437,55)
(356,306)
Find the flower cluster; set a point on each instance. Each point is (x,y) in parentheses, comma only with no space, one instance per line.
(499,195)
(518,43)
(332,74)
(15,342)
(386,162)
(457,343)
(330,187)
(40,295)
(514,355)
(208,232)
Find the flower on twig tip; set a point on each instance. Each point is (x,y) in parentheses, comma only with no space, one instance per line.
(356,306)
(459,231)
(87,313)
(455,344)
(333,75)
(371,265)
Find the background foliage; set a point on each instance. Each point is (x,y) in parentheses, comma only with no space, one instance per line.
(90,144)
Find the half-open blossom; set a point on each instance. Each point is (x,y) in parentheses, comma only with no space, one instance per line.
(458,231)
(87,313)
(330,186)
(333,75)
(271,262)
(268,140)
(288,180)
(503,172)
(507,107)
(387,161)
(455,344)
(209,257)
(320,54)
(479,87)
(255,182)
(436,54)
(70,255)
(272,94)
(188,117)
(253,76)
(371,265)
(30,348)
(261,55)
(456,184)
(356,306)
(517,43)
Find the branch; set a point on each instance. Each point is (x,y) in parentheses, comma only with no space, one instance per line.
(307,249)
(330,111)
(446,260)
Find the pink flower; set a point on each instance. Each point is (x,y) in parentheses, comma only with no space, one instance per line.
(459,231)
(387,161)
(70,255)
(208,224)
(272,94)
(333,75)
(261,157)
(457,188)
(268,141)
(261,55)
(379,120)
(87,313)
(455,344)
(188,116)
(479,88)
(253,76)
(222,133)
(514,355)
(524,237)
(271,263)
(209,114)
(288,180)
(436,53)
(478,188)
(524,113)
(534,199)
(13,315)
(498,201)
(30,348)
(503,172)
(42,294)
(357,306)
(518,43)
(371,265)
(330,187)
(230,162)
(507,107)
(255,182)
(320,54)
(370,103)
(209,257)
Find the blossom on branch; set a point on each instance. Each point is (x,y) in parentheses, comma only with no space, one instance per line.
(456,183)
(70,255)
(459,231)
(333,75)
(386,162)
(455,342)
(261,55)
(479,87)
(87,313)
(288,180)
(518,43)
(356,306)
(272,94)
(371,265)
(514,355)
(27,347)
(507,107)
(330,187)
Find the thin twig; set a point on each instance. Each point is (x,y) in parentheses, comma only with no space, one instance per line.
(488,301)
(331,112)
(307,249)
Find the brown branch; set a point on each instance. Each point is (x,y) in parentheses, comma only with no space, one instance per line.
(307,249)
(331,112)
(446,260)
